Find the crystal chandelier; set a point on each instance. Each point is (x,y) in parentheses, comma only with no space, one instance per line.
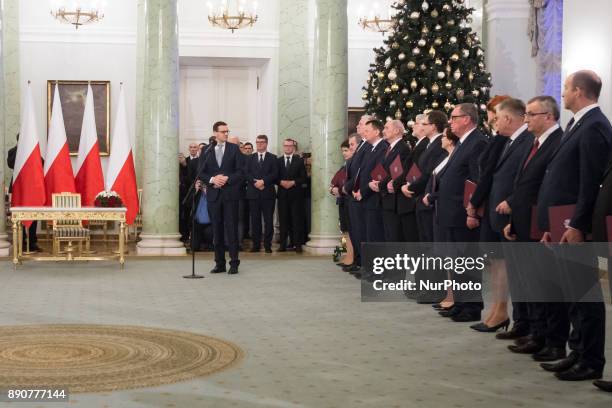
(242,14)
(78,12)
(380,18)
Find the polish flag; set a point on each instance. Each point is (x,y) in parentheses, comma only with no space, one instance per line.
(58,169)
(28,177)
(121,174)
(89,180)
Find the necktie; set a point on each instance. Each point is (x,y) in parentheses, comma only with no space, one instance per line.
(505,152)
(287,161)
(388,151)
(219,154)
(532,153)
(260,159)
(567,130)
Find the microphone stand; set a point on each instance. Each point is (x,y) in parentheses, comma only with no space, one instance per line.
(192,194)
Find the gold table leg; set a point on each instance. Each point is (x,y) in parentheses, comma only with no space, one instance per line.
(122,244)
(15,243)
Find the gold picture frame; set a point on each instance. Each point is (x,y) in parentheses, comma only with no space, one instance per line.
(72,96)
(354,115)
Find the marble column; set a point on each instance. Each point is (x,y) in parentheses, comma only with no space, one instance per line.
(294,75)
(160,104)
(140,67)
(508,51)
(11,92)
(329,119)
(4,245)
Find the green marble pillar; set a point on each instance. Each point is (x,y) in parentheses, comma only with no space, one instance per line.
(140,84)
(11,94)
(294,75)
(160,103)
(4,245)
(329,119)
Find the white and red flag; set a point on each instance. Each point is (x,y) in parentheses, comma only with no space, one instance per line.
(59,177)
(28,177)
(89,180)
(121,174)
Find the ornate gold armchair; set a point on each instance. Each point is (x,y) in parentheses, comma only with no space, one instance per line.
(68,230)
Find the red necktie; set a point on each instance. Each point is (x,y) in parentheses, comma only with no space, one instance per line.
(388,151)
(532,153)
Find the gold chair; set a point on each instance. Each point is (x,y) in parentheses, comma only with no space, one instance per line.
(68,230)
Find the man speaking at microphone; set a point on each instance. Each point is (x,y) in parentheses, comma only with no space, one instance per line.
(222,173)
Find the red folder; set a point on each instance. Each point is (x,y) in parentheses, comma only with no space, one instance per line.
(535,232)
(396,168)
(379,173)
(559,218)
(468,191)
(413,174)
(339,178)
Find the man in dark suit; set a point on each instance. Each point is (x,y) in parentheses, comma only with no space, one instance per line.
(397,228)
(573,177)
(548,325)
(222,170)
(368,188)
(355,208)
(518,141)
(603,209)
(433,125)
(184,185)
(291,178)
(261,175)
(452,215)
(406,206)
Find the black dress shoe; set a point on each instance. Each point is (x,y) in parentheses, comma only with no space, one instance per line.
(512,334)
(298,249)
(218,269)
(255,249)
(281,249)
(453,311)
(550,354)
(464,317)
(562,365)
(603,385)
(528,348)
(268,250)
(579,372)
(522,340)
(352,268)
(233,270)
(481,327)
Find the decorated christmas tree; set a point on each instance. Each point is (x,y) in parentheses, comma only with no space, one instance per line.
(431,60)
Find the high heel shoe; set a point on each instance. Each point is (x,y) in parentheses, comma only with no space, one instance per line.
(483,328)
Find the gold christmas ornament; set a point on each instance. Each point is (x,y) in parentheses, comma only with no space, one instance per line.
(481,65)
(380,75)
(483,107)
(410,123)
(425,30)
(448,68)
(401,57)
(484,89)
(423,67)
(476,93)
(398,114)
(423,91)
(422,42)
(451,22)
(438,27)
(446,7)
(447,105)
(460,93)
(387,90)
(395,87)
(435,13)
(415,15)
(375,91)
(413,84)
(392,104)
(466,53)
(479,52)
(392,75)
(409,104)
(416,51)
(438,61)
(471,76)
(364,96)
(435,105)
(389,119)
(432,52)
(453,39)
(435,88)
(395,45)
(411,65)
(378,100)
(457,74)
(425,5)
(448,85)
(441,75)
(438,41)
(454,57)
(405,91)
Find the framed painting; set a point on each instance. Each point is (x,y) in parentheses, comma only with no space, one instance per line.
(72,95)
(354,115)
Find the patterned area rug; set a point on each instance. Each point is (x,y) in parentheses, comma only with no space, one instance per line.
(93,358)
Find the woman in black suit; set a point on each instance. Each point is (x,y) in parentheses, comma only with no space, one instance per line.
(336,191)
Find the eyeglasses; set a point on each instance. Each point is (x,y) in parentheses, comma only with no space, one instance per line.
(426,124)
(532,114)
(457,116)
(223,131)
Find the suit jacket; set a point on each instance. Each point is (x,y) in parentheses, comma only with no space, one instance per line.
(389,200)
(504,175)
(527,184)
(462,166)
(372,156)
(352,168)
(405,204)
(296,172)
(232,166)
(427,163)
(268,172)
(576,170)
(603,208)
(487,165)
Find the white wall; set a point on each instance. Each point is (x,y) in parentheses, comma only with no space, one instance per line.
(586,44)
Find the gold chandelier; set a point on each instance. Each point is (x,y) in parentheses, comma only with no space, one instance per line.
(78,12)
(243,14)
(379,19)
